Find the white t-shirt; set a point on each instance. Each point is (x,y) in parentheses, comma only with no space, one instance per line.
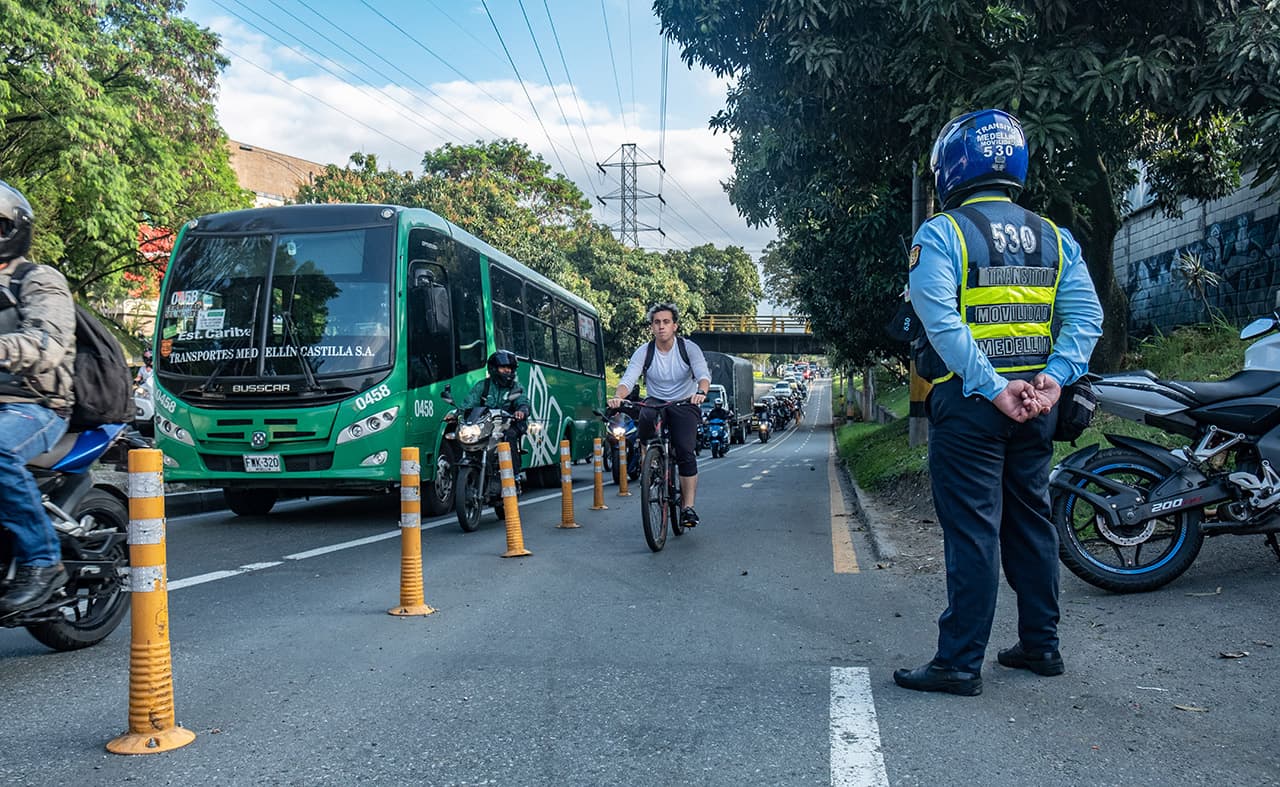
(669,377)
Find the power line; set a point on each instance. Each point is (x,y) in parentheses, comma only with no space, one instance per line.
(313,96)
(554,92)
(438,129)
(532,106)
(555,149)
(576,100)
(614,63)
(458,25)
(631,57)
(409,76)
(662,126)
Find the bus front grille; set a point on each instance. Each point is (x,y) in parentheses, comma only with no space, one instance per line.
(293,463)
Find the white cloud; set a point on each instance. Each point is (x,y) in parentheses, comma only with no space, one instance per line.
(322,118)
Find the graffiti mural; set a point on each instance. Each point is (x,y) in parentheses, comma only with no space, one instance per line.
(1246,255)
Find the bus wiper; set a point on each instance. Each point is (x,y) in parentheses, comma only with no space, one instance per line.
(291,337)
(253,325)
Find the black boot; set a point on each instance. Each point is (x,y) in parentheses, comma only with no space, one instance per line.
(32,586)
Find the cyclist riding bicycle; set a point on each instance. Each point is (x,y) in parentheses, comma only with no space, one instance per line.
(673,369)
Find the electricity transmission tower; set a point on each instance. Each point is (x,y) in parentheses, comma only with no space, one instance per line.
(629,193)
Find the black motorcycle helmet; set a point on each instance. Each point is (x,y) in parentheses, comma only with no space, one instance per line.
(499,359)
(15,223)
(146,357)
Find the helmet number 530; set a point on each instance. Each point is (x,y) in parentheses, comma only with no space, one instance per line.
(1013,239)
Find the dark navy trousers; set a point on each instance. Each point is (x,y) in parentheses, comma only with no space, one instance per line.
(990,478)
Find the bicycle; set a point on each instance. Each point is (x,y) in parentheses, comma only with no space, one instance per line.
(659,482)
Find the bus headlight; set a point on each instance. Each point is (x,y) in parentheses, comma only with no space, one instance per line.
(368,425)
(374,460)
(170,429)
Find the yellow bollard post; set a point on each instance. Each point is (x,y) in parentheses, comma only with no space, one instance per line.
(566,488)
(597,459)
(622,468)
(152,727)
(510,505)
(411,598)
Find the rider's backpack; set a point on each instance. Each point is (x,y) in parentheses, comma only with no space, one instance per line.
(100,375)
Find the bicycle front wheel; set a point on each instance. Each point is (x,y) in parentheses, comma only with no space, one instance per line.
(654,508)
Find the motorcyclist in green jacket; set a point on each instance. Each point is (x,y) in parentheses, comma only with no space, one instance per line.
(501,391)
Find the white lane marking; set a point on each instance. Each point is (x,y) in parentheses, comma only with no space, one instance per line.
(213,576)
(856,759)
(743,467)
(747,485)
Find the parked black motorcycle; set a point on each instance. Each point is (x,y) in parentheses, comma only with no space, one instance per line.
(1133,518)
(92,523)
(477,479)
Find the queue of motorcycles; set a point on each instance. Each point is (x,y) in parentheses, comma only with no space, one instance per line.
(92,523)
(1133,518)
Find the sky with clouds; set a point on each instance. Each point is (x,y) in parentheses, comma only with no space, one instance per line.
(320,79)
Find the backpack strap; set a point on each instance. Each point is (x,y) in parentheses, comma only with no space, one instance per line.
(484,397)
(20,273)
(684,355)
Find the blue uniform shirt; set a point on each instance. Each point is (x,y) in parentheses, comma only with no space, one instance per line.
(935,288)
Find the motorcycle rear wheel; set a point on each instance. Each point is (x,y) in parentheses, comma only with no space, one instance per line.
(1132,559)
(468,498)
(92,612)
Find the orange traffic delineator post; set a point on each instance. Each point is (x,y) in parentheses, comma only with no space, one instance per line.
(510,505)
(566,488)
(622,468)
(597,460)
(152,727)
(411,598)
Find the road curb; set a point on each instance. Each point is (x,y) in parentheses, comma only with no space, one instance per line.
(868,513)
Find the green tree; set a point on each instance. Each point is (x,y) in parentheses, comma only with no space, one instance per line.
(836,101)
(726,278)
(107,124)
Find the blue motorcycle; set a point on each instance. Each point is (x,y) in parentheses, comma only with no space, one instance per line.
(92,522)
(718,437)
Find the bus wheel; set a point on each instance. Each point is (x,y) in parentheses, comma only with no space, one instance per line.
(438,494)
(250,502)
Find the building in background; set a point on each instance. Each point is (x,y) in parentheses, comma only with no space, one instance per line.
(274,178)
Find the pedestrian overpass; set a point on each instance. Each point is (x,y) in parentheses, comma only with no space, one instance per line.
(758,334)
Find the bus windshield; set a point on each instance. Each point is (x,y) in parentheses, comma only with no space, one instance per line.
(261,305)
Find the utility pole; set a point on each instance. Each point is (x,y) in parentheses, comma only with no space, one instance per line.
(629,193)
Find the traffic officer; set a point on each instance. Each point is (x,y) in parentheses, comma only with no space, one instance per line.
(1010,316)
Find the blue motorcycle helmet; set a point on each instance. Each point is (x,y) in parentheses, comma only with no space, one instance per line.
(978,150)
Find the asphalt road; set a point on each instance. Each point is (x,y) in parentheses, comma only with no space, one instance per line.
(756,649)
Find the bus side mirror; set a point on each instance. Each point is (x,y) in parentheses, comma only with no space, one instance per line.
(439,311)
(447,394)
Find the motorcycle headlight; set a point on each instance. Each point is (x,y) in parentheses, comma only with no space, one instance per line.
(618,432)
(470,433)
(368,425)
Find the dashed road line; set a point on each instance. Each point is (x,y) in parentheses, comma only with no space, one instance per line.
(856,759)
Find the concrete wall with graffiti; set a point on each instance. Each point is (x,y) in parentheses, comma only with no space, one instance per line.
(1237,238)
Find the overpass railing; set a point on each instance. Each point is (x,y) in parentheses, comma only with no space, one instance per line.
(753,323)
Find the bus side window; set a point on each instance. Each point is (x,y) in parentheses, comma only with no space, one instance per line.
(465,289)
(430,317)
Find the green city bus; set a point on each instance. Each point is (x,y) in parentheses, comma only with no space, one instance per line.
(299,348)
